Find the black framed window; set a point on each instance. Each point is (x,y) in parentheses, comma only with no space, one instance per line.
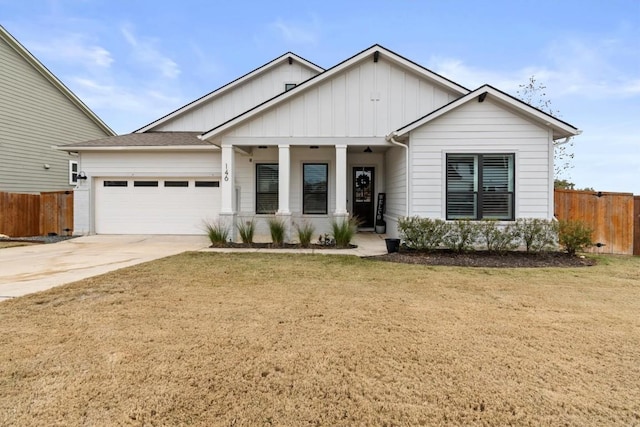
(145,183)
(266,188)
(315,178)
(176,183)
(480,186)
(207,183)
(115,183)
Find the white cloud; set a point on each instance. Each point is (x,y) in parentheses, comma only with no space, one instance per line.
(145,52)
(74,48)
(300,33)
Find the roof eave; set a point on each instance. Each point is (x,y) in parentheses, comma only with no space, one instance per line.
(225,88)
(78,148)
(326,75)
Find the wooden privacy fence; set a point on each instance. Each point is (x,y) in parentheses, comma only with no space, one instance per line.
(611,215)
(36,214)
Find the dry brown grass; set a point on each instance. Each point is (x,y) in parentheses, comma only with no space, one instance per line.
(14,244)
(248,339)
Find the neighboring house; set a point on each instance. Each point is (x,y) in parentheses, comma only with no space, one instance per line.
(37,113)
(311,145)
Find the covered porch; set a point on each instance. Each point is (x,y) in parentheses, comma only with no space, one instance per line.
(301,181)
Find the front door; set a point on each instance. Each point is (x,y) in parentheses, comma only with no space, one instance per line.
(363,195)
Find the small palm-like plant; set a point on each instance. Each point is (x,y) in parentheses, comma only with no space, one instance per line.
(305,232)
(246,229)
(277,228)
(217,232)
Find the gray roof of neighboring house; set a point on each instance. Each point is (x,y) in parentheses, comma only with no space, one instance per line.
(148,139)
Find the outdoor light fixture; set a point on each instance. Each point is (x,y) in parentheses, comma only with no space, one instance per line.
(262,147)
(368,150)
(82,175)
(313,147)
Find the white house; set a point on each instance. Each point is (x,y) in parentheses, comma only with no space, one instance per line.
(310,145)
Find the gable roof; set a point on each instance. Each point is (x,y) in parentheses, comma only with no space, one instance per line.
(289,56)
(182,140)
(561,129)
(318,79)
(44,71)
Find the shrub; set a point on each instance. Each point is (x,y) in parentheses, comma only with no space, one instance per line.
(344,230)
(537,234)
(305,232)
(246,229)
(277,228)
(424,234)
(496,238)
(574,236)
(462,235)
(217,232)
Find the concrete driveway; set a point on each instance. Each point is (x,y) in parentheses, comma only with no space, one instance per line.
(28,269)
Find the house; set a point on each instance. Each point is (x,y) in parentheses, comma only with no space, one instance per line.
(37,113)
(305,144)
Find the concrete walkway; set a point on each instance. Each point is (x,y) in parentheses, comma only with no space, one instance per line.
(34,268)
(28,269)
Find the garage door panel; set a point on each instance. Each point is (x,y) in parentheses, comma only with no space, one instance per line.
(154,210)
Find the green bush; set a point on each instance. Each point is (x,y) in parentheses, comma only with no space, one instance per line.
(246,229)
(496,238)
(462,235)
(344,230)
(423,234)
(305,233)
(574,236)
(217,232)
(278,229)
(537,234)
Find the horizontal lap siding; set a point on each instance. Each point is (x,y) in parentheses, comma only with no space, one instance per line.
(239,99)
(151,164)
(480,127)
(368,99)
(395,185)
(34,116)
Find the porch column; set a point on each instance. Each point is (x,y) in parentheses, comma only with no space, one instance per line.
(284,173)
(341,180)
(228,179)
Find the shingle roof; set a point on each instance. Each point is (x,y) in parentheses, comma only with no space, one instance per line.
(148,139)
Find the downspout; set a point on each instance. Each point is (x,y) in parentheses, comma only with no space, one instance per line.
(391,138)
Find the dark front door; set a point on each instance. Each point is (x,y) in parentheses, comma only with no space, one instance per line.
(363,195)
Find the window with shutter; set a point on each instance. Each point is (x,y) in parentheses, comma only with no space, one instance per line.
(266,188)
(480,186)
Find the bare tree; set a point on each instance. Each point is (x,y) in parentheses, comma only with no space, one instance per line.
(534,93)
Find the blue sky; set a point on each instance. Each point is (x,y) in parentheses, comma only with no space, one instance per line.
(134,61)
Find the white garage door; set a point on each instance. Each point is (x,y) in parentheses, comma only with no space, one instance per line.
(155,205)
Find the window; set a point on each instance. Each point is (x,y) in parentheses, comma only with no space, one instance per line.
(314,189)
(289,86)
(145,183)
(207,183)
(176,183)
(480,186)
(73,172)
(266,188)
(115,183)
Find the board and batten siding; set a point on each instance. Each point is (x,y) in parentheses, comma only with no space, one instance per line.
(366,100)
(481,128)
(395,184)
(35,116)
(128,164)
(239,99)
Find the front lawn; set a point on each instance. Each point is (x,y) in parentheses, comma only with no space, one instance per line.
(271,339)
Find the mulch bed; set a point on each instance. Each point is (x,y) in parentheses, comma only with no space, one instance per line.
(488,259)
(236,245)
